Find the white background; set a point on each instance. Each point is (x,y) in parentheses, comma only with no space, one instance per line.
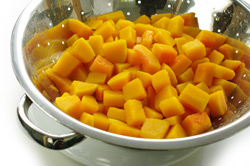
(17,148)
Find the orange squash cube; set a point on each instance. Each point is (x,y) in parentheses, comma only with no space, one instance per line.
(154,129)
(100,90)
(194,50)
(171,74)
(176,131)
(82,50)
(186,76)
(156,17)
(164,37)
(143,19)
(113,98)
(190,19)
(227,86)
(182,86)
(124,23)
(79,28)
(94,24)
(141,28)
(196,123)
(173,120)
(116,113)
(106,30)
(182,62)
(96,77)
(231,64)
(80,73)
(119,127)
(175,26)
(134,90)
(216,57)
(197,62)
(132,57)
(227,50)
(89,104)
(102,65)
(151,113)
(87,119)
(118,81)
(71,105)
(224,73)
(72,40)
(203,86)
(66,59)
(147,38)
(150,63)
(129,35)
(217,104)
(115,52)
(165,93)
(96,42)
(115,16)
(161,23)
(63,84)
(205,72)
(208,38)
(164,53)
(101,121)
(134,113)
(192,31)
(145,78)
(171,107)
(194,98)
(80,88)
(119,67)
(160,80)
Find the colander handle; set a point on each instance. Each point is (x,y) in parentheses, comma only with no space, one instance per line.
(45,139)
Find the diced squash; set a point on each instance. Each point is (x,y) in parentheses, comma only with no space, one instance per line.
(194,98)
(63,84)
(164,37)
(192,31)
(154,129)
(129,35)
(134,90)
(118,81)
(80,28)
(208,38)
(194,50)
(134,113)
(147,38)
(151,96)
(160,80)
(224,73)
(205,72)
(119,127)
(176,131)
(151,113)
(94,24)
(70,105)
(196,123)
(203,86)
(82,50)
(171,107)
(227,86)
(132,70)
(124,23)
(113,98)
(101,121)
(175,26)
(66,59)
(145,78)
(190,19)
(102,65)
(96,42)
(156,17)
(171,74)
(132,57)
(116,113)
(186,76)
(179,43)
(119,67)
(96,77)
(164,53)
(217,104)
(161,23)
(165,93)
(100,90)
(141,28)
(89,104)
(181,86)
(182,62)
(150,63)
(80,73)
(231,64)
(80,88)
(72,40)
(115,52)
(197,62)
(227,51)
(220,40)
(216,57)
(173,120)
(143,19)
(115,16)
(105,30)
(87,119)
